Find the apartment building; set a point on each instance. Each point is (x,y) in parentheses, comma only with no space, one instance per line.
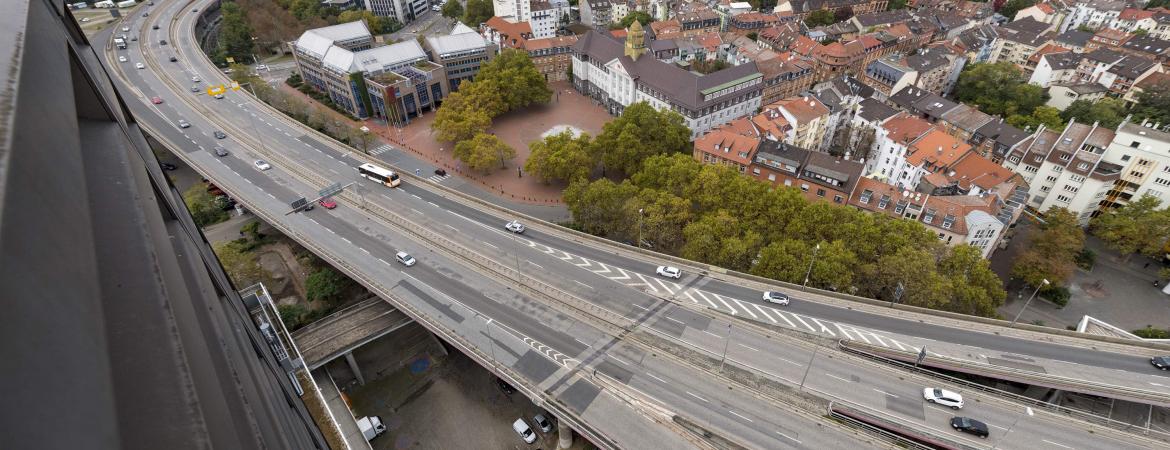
(1067,169)
(405,11)
(553,57)
(892,142)
(1143,153)
(956,219)
(804,119)
(597,13)
(1094,14)
(784,77)
(1043,12)
(1019,40)
(618,75)
(461,52)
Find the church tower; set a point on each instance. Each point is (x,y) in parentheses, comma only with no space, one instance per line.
(635,41)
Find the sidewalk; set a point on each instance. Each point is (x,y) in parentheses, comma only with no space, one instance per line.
(413,148)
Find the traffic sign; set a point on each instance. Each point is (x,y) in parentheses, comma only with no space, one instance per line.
(330,190)
(921,356)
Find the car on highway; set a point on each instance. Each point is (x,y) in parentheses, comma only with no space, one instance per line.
(219,96)
(778,298)
(220,151)
(184,124)
(542,422)
(405,259)
(219,134)
(524,431)
(156,100)
(440,172)
(167,166)
(262,165)
(514,226)
(125,28)
(506,388)
(943,397)
(970,426)
(327,203)
(84,19)
(162,42)
(140,65)
(194,88)
(121,59)
(134,39)
(174,59)
(262,67)
(669,272)
(154,27)
(1161,362)
(145,14)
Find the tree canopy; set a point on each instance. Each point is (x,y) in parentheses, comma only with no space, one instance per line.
(1108,111)
(747,225)
(641,16)
(508,82)
(477,12)
(999,89)
(452,10)
(1042,115)
(561,157)
(377,24)
(235,35)
(1153,104)
(1052,253)
(1139,227)
(641,132)
(484,152)
(1011,7)
(820,17)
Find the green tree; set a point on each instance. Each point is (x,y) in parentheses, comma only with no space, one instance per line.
(641,132)
(325,285)
(599,207)
(1011,7)
(1139,227)
(304,9)
(784,260)
(641,16)
(973,288)
(895,4)
(477,12)
(1108,111)
(202,206)
(484,152)
(720,239)
(999,88)
(292,315)
(1153,104)
(452,9)
(820,17)
(518,82)
(455,121)
(240,264)
(1043,115)
(235,35)
(560,157)
(753,36)
(1053,251)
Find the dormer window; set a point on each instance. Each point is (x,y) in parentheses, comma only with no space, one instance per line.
(929,216)
(866,196)
(948,221)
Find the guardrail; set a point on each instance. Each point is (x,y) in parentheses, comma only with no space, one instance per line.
(873,352)
(904,435)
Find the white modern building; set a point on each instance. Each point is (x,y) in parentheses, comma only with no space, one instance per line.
(1066,169)
(405,11)
(1095,14)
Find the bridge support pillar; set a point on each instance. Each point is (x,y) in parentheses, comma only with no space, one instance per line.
(353,367)
(564,435)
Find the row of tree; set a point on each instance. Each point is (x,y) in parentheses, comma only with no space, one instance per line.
(508,82)
(713,214)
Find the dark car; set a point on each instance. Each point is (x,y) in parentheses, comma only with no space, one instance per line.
(162,42)
(168,166)
(154,27)
(969,425)
(1161,362)
(173,59)
(505,387)
(440,172)
(219,134)
(220,151)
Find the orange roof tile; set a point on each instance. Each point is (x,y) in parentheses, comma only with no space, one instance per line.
(938,149)
(905,128)
(728,145)
(974,169)
(804,109)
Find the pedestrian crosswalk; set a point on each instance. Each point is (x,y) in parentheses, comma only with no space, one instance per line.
(380,149)
(438,178)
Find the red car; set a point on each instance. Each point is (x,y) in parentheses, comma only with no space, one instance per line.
(156,100)
(327,203)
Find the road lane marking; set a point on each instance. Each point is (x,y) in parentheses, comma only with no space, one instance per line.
(618,360)
(790,362)
(825,329)
(802,322)
(535,264)
(720,298)
(713,334)
(696,396)
(1055,443)
(578,282)
(664,286)
(884,392)
(416,211)
(364,250)
(745,308)
(490,245)
(765,313)
(837,377)
(748,347)
(383,261)
(656,377)
(582,342)
(347,241)
(740,416)
(433,204)
(415,196)
(700,294)
(789,437)
(640,306)
(674,320)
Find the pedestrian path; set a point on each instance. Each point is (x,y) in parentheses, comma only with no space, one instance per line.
(438,178)
(379,149)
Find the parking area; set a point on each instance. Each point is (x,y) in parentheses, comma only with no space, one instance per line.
(453,403)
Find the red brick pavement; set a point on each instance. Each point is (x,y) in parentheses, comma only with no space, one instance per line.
(516,129)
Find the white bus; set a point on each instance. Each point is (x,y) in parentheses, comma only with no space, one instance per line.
(380,175)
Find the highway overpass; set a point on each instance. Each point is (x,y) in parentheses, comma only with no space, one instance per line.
(565,313)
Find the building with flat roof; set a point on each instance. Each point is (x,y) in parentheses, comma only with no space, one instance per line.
(461,52)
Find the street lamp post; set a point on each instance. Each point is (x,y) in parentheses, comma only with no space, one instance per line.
(810,264)
(809,366)
(1042,284)
(1027,410)
(640,215)
(726,342)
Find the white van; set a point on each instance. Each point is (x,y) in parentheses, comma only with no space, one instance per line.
(524,431)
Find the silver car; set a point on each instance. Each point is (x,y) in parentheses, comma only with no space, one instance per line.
(184,124)
(778,298)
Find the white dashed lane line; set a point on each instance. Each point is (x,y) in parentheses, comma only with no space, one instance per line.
(696,396)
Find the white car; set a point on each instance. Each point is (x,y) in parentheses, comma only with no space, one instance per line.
(262,67)
(524,431)
(184,124)
(85,19)
(140,65)
(778,298)
(669,272)
(943,397)
(195,79)
(125,28)
(514,226)
(407,261)
(262,165)
(121,59)
(219,96)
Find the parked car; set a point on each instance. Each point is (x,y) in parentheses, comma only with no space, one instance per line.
(195,79)
(405,259)
(440,172)
(184,124)
(327,203)
(514,226)
(505,387)
(84,19)
(134,39)
(261,67)
(1161,362)
(219,134)
(943,397)
(262,164)
(778,298)
(969,425)
(669,272)
(218,96)
(542,422)
(524,431)
(140,65)
(220,151)
(156,100)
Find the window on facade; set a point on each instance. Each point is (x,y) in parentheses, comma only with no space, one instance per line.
(804,187)
(1155,194)
(1076,178)
(1124,158)
(1063,198)
(1057,169)
(929,216)
(884,202)
(820,192)
(838,199)
(771,177)
(1135,144)
(1071,188)
(1051,178)
(1083,166)
(1065,157)
(1014,159)
(900,207)
(1044,188)
(756,170)
(1162,181)
(865,196)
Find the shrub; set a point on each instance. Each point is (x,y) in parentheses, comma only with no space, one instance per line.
(1056,294)
(1149,332)
(1086,258)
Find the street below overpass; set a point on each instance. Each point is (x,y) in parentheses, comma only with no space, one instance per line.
(550,347)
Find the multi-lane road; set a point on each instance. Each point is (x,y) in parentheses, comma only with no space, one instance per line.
(556,351)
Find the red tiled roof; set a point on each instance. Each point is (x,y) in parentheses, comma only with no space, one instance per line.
(905,128)
(1135,14)
(937,148)
(728,145)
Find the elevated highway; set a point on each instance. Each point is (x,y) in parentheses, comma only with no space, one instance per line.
(568,316)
